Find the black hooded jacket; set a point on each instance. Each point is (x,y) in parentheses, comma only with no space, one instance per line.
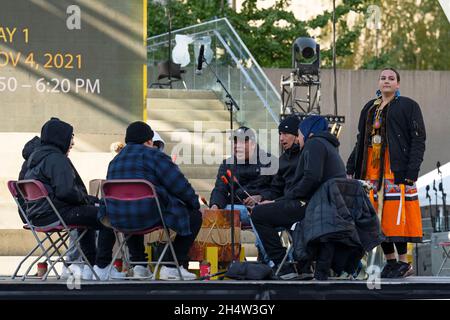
(28,149)
(249,176)
(319,162)
(50,165)
(286,172)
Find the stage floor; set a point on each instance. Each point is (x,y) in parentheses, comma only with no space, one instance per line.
(409,288)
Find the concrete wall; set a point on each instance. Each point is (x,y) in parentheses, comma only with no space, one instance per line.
(431,89)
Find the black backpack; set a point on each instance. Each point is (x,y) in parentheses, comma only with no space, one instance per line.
(249,271)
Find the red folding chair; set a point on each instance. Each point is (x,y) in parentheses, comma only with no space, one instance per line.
(48,250)
(34,190)
(134,190)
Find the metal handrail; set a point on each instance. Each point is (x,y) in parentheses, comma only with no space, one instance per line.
(242,50)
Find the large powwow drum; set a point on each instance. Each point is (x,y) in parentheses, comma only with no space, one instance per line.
(216,232)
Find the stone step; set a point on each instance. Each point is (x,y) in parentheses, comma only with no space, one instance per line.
(197,160)
(181,115)
(189,126)
(200,172)
(9,214)
(185,104)
(197,137)
(180,94)
(222,142)
(202,184)
(16,242)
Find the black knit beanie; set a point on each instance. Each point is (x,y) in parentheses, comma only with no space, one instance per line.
(138,132)
(289,125)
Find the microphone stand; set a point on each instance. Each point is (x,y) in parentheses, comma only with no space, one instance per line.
(432,217)
(231,104)
(444,196)
(438,218)
(169,18)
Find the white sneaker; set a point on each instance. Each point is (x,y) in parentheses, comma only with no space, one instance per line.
(172,274)
(141,272)
(87,273)
(76,271)
(103,273)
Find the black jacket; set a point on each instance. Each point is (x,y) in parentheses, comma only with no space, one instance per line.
(339,212)
(286,172)
(249,176)
(28,149)
(50,165)
(406,140)
(319,162)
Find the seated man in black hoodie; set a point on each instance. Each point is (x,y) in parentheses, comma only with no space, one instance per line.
(49,163)
(252,173)
(288,161)
(319,162)
(288,130)
(249,171)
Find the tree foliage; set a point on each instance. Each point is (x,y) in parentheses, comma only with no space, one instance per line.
(268,33)
(415,34)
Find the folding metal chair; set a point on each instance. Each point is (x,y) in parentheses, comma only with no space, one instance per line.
(286,242)
(290,248)
(444,246)
(52,247)
(34,190)
(134,190)
(172,73)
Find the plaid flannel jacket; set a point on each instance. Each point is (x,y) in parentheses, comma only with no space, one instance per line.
(176,195)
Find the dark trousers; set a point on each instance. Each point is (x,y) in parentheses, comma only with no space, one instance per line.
(181,244)
(87,216)
(324,257)
(268,217)
(336,256)
(388,247)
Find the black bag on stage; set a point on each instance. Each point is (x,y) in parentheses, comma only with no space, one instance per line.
(249,271)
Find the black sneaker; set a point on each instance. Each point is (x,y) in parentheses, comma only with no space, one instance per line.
(287,272)
(403,270)
(388,268)
(305,273)
(320,276)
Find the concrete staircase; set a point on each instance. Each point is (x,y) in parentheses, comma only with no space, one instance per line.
(193,125)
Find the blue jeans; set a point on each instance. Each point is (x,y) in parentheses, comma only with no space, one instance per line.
(246,220)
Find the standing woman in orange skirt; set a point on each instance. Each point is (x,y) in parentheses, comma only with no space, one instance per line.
(389,151)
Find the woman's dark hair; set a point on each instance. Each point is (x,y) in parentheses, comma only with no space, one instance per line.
(395,71)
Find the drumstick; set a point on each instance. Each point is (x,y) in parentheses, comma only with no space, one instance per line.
(204,201)
(240,186)
(225,180)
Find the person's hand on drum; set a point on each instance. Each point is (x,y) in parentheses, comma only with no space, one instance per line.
(251,201)
(214,207)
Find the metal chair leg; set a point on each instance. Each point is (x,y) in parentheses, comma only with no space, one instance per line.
(443,262)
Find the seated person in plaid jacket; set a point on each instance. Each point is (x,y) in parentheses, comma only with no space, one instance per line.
(139,159)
